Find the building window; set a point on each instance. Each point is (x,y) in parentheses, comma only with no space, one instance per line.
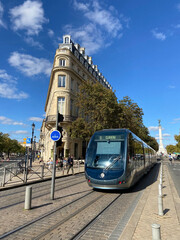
(77,87)
(66,40)
(61,81)
(71,107)
(61,105)
(72,84)
(62,62)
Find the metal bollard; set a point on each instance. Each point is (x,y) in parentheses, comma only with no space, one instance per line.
(28,198)
(160,190)
(42,171)
(160,206)
(156,234)
(4,177)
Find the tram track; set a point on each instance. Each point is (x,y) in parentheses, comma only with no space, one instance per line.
(43,184)
(19,200)
(45,218)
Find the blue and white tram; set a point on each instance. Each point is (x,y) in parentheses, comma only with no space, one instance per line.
(116,159)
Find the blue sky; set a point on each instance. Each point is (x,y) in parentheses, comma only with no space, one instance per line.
(134,43)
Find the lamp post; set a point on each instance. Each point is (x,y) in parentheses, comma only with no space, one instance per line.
(33,127)
(34,147)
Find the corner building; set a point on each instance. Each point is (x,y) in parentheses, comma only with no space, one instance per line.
(70,68)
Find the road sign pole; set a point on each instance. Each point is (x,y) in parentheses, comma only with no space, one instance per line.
(54,162)
(53,173)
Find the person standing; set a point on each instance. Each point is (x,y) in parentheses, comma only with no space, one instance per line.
(70,164)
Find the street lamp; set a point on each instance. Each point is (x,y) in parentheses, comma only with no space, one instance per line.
(33,127)
(34,147)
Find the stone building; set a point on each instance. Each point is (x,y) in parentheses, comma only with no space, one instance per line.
(70,68)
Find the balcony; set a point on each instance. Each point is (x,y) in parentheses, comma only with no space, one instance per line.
(51,120)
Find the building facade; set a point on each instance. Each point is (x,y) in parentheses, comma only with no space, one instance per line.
(70,68)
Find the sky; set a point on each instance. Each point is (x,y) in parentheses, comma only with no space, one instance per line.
(134,43)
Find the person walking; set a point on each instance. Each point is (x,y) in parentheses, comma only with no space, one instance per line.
(170,158)
(70,164)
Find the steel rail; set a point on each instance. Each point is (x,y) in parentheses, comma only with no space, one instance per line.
(41,195)
(41,217)
(79,234)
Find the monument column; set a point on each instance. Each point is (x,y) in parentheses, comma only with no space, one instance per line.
(161,150)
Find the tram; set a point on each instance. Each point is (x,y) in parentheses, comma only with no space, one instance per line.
(117,159)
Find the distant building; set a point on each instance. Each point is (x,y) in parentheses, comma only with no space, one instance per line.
(70,68)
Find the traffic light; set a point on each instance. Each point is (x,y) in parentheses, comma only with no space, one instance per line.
(60,118)
(59,142)
(60,129)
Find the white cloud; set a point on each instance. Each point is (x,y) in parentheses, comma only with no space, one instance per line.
(152,128)
(158,35)
(50,33)
(8,87)
(104,18)
(101,25)
(172,86)
(178,6)
(176,120)
(30,65)
(8,121)
(166,135)
(81,6)
(19,132)
(36,119)
(33,43)
(28,17)
(1,16)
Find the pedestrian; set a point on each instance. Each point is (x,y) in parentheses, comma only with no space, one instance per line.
(70,164)
(60,163)
(170,158)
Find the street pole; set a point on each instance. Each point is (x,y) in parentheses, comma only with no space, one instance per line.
(54,163)
(31,159)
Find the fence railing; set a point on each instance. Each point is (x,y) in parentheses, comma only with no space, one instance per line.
(17,173)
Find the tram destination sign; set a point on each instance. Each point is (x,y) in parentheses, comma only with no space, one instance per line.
(55,135)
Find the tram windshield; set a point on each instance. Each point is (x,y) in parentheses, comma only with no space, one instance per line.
(106,150)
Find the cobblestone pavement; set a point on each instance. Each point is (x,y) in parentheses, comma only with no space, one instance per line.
(146,213)
(17,216)
(129,218)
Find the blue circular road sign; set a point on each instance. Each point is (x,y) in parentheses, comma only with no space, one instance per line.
(55,135)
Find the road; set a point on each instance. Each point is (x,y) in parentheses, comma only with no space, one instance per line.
(174,170)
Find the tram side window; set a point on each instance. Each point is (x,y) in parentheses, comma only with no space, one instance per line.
(131,153)
(147,154)
(139,153)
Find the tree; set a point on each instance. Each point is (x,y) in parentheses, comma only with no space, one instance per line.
(100,109)
(171,148)
(174,148)
(8,145)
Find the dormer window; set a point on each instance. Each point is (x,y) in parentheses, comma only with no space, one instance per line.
(62,62)
(66,39)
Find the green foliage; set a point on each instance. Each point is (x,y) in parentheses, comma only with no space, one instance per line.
(8,145)
(100,109)
(174,148)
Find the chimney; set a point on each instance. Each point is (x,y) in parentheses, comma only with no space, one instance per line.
(90,60)
(77,46)
(82,51)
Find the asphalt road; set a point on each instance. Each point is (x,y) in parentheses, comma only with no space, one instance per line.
(174,170)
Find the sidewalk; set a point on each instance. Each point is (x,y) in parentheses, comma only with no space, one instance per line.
(35,175)
(146,212)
